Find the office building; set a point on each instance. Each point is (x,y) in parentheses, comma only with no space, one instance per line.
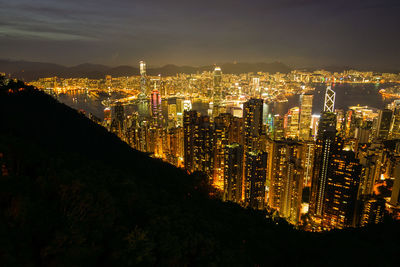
(306,102)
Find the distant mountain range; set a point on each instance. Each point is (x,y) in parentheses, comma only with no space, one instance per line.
(29,71)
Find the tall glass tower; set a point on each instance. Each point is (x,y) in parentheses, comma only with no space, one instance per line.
(143,105)
(329,105)
(217,79)
(306,101)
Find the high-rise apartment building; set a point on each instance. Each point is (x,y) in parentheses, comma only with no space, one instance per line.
(285,178)
(190,119)
(339,202)
(220,141)
(233,173)
(203,158)
(255,177)
(252,123)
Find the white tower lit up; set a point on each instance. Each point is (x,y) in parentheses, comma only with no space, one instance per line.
(329,105)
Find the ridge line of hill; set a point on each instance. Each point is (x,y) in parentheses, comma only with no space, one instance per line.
(29,71)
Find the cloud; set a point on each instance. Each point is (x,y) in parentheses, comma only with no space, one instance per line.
(33,34)
(199,32)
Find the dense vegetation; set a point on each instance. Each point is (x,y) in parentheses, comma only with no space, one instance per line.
(72,194)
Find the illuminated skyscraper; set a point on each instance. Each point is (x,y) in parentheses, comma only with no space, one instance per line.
(173,146)
(352,121)
(292,123)
(285,178)
(143,105)
(198,143)
(118,117)
(291,197)
(172,116)
(221,140)
(308,161)
(327,144)
(371,160)
(306,101)
(190,119)
(155,141)
(327,122)
(340,197)
(203,156)
(144,136)
(384,122)
(131,131)
(236,131)
(395,126)
(278,129)
(314,125)
(156,107)
(277,163)
(179,111)
(329,104)
(255,177)
(217,80)
(233,173)
(252,119)
(143,80)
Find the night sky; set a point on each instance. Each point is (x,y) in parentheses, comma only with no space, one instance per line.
(297,32)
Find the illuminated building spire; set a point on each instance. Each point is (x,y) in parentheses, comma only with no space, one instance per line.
(142,68)
(217,78)
(142,97)
(329,105)
(142,94)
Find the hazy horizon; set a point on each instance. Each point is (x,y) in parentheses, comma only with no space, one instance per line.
(359,33)
(135,64)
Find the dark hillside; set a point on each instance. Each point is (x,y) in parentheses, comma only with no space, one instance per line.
(72,194)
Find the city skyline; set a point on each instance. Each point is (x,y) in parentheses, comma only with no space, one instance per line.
(199,133)
(314,171)
(59,166)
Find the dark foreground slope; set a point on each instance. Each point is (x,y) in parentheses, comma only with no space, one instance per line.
(72,194)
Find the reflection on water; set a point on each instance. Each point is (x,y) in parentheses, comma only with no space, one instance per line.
(346,95)
(81,100)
